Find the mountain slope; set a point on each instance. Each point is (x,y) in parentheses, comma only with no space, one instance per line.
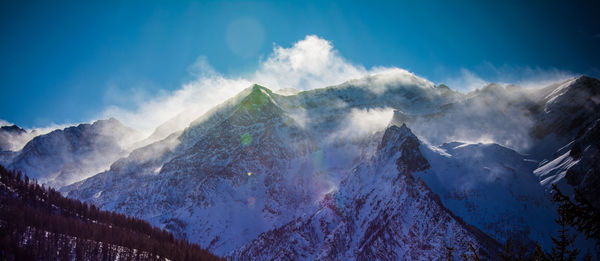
(261,160)
(39,224)
(571,114)
(577,165)
(493,188)
(243,173)
(379,212)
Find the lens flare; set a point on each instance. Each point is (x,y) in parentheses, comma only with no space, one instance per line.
(246,139)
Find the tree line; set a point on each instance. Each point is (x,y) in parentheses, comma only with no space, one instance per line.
(38,223)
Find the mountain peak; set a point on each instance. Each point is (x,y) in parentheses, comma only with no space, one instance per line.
(13,129)
(405,130)
(402,140)
(108,123)
(584,78)
(394,135)
(258,97)
(259,88)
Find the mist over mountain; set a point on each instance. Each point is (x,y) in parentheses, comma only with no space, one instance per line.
(64,156)
(385,165)
(13,137)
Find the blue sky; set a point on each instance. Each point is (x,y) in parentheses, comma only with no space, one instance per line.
(66,62)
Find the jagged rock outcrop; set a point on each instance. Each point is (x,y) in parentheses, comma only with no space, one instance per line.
(379,212)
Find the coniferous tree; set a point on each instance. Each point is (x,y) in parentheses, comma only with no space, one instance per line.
(581,214)
(562,249)
(450,251)
(38,223)
(538,254)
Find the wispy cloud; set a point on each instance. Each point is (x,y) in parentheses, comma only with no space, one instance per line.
(309,63)
(361,123)
(465,81)
(524,76)
(15,141)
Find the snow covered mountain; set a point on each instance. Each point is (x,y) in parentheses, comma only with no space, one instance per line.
(493,188)
(380,211)
(253,163)
(268,168)
(243,173)
(72,154)
(572,113)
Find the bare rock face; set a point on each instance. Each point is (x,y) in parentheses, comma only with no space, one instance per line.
(379,212)
(402,140)
(584,173)
(571,114)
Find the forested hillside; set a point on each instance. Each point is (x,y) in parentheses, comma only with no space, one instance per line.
(38,223)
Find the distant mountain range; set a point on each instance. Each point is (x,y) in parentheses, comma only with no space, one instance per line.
(389,165)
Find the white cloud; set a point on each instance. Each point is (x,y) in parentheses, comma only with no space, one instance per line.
(310,63)
(15,141)
(362,123)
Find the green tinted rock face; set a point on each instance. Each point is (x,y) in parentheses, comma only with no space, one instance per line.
(246,139)
(256,99)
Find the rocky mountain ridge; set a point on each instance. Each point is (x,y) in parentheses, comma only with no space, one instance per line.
(380,211)
(264,167)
